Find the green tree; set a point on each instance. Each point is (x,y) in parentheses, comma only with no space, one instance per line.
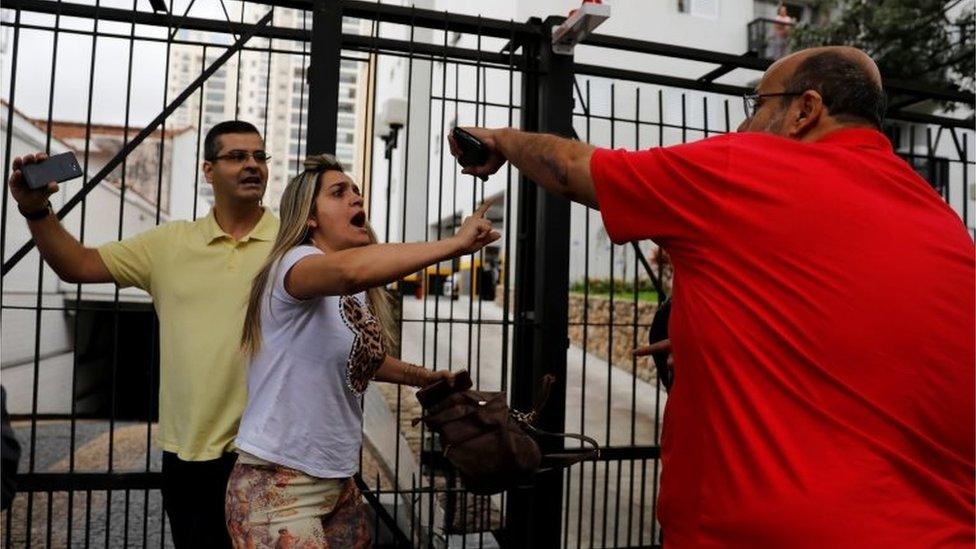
(911,40)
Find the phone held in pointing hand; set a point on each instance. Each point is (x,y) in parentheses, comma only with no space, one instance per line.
(60,167)
(473,151)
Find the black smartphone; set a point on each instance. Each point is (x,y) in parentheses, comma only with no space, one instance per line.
(473,151)
(60,167)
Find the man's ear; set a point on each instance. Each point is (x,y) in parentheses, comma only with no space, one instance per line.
(311,223)
(208,171)
(805,114)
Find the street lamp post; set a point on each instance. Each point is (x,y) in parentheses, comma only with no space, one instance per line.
(393,119)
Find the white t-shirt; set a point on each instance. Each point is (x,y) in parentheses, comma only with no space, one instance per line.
(316,358)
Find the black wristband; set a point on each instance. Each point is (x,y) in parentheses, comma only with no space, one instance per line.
(39,214)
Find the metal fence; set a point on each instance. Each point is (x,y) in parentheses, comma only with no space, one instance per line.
(80,361)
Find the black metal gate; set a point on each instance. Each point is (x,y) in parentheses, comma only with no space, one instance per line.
(81,362)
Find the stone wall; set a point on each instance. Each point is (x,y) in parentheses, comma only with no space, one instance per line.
(597,330)
(598,333)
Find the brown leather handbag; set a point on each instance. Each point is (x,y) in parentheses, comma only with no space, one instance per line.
(492,447)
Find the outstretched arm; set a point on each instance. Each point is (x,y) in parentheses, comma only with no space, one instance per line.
(560,165)
(356,269)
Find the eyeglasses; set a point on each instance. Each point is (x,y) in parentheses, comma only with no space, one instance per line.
(750,101)
(239,157)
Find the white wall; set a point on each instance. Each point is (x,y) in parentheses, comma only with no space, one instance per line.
(20,286)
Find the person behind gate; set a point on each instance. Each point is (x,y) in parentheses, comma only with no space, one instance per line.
(823,318)
(317,328)
(198,274)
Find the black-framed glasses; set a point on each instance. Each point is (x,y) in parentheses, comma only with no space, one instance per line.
(239,157)
(750,101)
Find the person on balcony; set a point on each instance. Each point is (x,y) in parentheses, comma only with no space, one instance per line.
(779,42)
(823,317)
(317,328)
(198,274)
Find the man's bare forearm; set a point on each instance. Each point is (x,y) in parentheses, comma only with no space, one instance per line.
(72,261)
(560,165)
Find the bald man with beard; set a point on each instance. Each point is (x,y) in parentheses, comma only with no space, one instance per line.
(823,318)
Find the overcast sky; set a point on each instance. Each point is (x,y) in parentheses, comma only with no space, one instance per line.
(72,77)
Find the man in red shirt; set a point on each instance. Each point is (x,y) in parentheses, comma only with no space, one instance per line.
(823,322)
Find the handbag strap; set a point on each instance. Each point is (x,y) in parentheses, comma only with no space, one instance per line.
(565,459)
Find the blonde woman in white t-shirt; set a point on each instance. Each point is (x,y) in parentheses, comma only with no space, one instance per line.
(317,326)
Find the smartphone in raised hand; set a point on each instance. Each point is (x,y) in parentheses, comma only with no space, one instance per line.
(59,168)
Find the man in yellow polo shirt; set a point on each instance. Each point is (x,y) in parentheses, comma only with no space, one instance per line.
(199,275)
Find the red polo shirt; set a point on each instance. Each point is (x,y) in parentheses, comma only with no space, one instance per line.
(823,339)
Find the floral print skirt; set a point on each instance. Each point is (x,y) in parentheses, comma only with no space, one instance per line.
(272,506)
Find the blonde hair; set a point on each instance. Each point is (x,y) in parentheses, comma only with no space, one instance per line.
(297,205)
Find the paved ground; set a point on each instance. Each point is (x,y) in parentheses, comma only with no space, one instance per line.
(607,505)
(129,522)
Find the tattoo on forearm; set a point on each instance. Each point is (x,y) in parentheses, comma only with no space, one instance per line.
(556,169)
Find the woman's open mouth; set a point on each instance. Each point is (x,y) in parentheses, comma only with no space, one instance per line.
(359,220)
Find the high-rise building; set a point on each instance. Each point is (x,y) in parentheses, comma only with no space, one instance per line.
(268,88)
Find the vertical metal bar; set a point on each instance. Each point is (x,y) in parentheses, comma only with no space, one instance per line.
(12,94)
(125,520)
(476,280)
(403,237)
(307,76)
(965,178)
(7,535)
(35,382)
(425,289)
(116,308)
(240,61)
(705,115)
(657,392)
(643,495)
(50,517)
(323,77)
(267,80)
(727,126)
(542,294)
(454,178)
(586,326)
(196,164)
(506,265)
(633,378)
(611,320)
(88,498)
(471,260)
(566,503)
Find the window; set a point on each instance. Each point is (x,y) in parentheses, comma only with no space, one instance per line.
(345,107)
(699,8)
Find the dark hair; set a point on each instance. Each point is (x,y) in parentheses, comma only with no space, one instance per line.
(210,146)
(848,91)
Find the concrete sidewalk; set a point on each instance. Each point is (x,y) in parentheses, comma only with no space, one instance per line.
(605,403)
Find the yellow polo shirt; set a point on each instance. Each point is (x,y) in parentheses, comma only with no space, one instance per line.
(200,279)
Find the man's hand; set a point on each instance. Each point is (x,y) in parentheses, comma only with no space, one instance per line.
(28,199)
(476,231)
(495,158)
(659,347)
